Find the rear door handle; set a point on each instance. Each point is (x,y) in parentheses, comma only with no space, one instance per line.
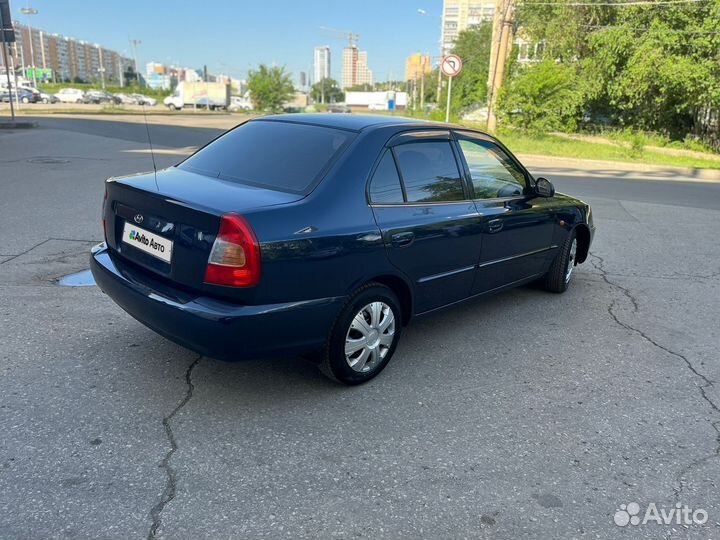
(402,239)
(495,225)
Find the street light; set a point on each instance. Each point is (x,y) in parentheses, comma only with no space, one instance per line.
(424,13)
(31,11)
(134,43)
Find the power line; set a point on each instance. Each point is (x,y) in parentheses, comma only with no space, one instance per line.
(619,4)
(647,28)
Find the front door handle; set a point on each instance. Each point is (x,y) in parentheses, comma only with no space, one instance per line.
(495,225)
(402,239)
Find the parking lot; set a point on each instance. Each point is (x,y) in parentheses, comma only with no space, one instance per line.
(522,415)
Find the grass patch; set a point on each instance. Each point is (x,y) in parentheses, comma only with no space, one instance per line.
(550,145)
(633,150)
(523,142)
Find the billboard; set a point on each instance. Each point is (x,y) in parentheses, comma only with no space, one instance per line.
(39,74)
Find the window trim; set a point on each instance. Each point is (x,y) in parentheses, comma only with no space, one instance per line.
(459,134)
(376,166)
(420,137)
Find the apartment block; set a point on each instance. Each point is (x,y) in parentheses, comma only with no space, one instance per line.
(67,57)
(459,15)
(355,68)
(321,63)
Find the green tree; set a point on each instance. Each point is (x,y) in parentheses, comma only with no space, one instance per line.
(646,67)
(270,88)
(658,69)
(542,97)
(326,91)
(364,87)
(470,87)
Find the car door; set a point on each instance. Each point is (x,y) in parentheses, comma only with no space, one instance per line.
(428,221)
(517,227)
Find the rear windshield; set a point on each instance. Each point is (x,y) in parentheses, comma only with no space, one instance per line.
(277,155)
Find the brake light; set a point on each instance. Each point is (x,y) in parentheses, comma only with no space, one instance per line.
(235,256)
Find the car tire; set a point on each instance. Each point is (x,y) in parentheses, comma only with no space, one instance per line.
(25,100)
(558,278)
(46,101)
(372,318)
(79,101)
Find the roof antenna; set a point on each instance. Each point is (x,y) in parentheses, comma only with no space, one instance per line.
(152,152)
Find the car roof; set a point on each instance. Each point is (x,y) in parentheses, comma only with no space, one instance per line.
(353,122)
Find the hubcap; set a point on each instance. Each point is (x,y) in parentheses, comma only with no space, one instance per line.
(571,260)
(370,336)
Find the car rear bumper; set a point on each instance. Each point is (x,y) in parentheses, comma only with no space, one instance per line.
(210,326)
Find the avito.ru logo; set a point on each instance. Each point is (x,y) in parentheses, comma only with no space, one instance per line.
(139,237)
(629,514)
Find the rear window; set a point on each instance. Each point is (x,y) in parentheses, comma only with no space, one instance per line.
(276,155)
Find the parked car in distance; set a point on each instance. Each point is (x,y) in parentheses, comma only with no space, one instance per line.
(48,98)
(23,96)
(339,108)
(141,99)
(365,223)
(101,96)
(238,103)
(126,99)
(71,95)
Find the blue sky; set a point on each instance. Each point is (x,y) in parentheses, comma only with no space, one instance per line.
(234,36)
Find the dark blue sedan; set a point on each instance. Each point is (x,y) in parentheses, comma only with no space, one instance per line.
(324,235)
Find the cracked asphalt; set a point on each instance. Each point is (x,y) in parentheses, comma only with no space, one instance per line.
(521,416)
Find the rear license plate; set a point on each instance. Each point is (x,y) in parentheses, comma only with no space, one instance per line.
(150,243)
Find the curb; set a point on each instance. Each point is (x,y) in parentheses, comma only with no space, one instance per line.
(18,125)
(654,172)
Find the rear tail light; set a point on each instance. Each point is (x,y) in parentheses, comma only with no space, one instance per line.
(235,256)
(103,215)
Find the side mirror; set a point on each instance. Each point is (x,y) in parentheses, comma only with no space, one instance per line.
(544,187)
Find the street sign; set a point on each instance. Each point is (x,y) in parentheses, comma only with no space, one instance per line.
(451,65)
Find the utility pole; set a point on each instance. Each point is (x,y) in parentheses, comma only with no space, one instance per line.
(439,87)
(3,30)
(414,94)
(134,43)
(32,11)
(101,69)
(501,40)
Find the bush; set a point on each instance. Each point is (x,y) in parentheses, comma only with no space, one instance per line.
(542,97)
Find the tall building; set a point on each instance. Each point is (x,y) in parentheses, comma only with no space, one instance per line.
(459,15)
(417,65)
(321,64)
(355,68)
(67,57)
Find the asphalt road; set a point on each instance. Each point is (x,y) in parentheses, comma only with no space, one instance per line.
(524,415)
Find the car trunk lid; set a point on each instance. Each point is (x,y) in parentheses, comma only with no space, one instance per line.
(167,223)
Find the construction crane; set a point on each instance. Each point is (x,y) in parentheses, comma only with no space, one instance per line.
(352,37)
